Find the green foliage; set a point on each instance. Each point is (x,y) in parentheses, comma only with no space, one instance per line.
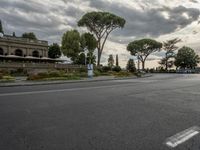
(97,73)
(29,35)
(131,65)
(186,58)
(123,74)
(106,68)
(143,48)
(91,58)
(71,44)
(116,69)
(110,61)
(1,27)
(166,62)
(7,78)
(88,42)
(74,45)
(55,75)
(54,51)
(80,59)
(169,47)
(101,24)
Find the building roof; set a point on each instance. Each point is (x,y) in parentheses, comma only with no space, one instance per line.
(20,39)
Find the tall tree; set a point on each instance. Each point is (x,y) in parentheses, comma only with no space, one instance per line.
(131,65)
(1,28)
(117,60)
(110,61)
(29,35)
(71,44)
(89,43)
(170,62)
(143,48)
(13,34)
(169,47)
(54,51)
(186,58)
(101,24)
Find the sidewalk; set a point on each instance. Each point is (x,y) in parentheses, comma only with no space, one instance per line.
(23,82)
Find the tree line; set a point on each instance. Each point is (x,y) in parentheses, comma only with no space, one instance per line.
(80,47)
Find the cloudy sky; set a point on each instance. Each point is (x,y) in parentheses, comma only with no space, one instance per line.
(158,19)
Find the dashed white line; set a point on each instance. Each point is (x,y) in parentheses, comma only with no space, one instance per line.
(182,137)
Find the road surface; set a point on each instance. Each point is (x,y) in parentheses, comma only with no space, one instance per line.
(133,114)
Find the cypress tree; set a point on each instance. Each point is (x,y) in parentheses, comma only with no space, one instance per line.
(1,28)
(117,60)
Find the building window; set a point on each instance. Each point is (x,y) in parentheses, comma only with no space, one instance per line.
(1,51)
(18,52)
(35,54)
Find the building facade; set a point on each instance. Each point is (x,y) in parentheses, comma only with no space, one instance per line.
(23,48)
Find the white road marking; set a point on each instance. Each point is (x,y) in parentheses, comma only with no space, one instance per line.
(61,90)
(182,137)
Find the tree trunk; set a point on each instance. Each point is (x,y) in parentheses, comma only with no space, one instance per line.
(166,63)
(143,65)
(98,57)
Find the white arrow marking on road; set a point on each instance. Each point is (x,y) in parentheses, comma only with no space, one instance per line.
(182,137)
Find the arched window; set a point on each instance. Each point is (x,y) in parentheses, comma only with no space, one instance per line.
(18,52)
(1,51)
(35,54)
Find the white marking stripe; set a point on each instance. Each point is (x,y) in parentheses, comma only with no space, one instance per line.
(182,137)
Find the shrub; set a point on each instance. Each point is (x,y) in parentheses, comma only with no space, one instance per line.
(43,74)
(84,69)
(122,74)
(97,73)
(7,79)
(55,74)
(1,76)
(117,69)
(106,68)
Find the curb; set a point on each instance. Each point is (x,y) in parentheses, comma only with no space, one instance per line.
(71,81)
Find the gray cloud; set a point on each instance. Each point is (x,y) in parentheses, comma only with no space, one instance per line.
(49,19)
(149,22)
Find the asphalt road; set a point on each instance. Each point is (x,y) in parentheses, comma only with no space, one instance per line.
(134,114)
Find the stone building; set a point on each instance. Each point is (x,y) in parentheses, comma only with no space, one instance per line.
(12,47)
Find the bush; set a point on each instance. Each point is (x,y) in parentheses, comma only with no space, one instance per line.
(55,74)
(7,79)
(4,72)
(43,74)
(122,74)
(1,76)
(83,69)
(106,68)
(97,73)
(117,69)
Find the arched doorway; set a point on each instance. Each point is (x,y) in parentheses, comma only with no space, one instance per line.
(18,52)
(35,54)
(1,51)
